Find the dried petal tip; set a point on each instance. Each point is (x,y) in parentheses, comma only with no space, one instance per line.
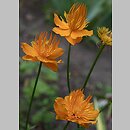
(105,35)
(76,109)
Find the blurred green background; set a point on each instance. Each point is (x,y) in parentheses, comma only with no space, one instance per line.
(37,16)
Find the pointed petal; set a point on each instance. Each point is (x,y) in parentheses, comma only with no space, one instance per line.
(81,33)
(73,41)
(62,32)
(83,25)
(88,99)
(59,108)
(52,65)
(30,58)
(56,53)
(65,14)
(28,50)
(60,23)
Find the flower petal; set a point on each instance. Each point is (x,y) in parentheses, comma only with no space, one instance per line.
(28,50)
(30,58)
(88,99)
(81,33)
(60,23)
(62,32)
(70,108)
(56,53)
(83,25)
(52,65)
(60,109)
(73,41)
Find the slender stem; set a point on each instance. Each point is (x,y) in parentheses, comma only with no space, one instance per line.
(68,68)
(92,67)
(103,108)
(66,125)
(29,109)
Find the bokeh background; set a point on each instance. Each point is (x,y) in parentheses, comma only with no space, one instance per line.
(37,16)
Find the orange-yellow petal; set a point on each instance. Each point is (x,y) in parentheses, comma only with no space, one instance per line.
(73,41)
(88,99)
(62,32)
(83,25)
(52,65)
(60,109)
(60,23)
(30,58)
(28,50)
(75,109)
(56,53)
(81,33)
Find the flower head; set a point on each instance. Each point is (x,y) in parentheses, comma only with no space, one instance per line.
(43,50)
(105,35)
(73,27)
(76,109)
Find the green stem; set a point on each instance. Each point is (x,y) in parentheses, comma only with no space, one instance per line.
(29,109)
(66,125)
(103,108)
(92,67)
(68,68)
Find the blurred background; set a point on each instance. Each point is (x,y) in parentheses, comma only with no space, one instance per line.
(37,16)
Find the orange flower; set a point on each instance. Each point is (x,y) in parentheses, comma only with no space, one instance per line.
(43,50)
(73,29)
(76,109)
(105,35)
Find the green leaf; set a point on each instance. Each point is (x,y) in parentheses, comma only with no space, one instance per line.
(49,74)
(108,89)
(27,67)
(42,88)
(32,127)
(109,111)
(96,9)
(43,116)
(100,120)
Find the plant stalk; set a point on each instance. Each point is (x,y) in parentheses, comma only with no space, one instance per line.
(103,108)
(65,127)
(92,66)
(30,105)
(68,68)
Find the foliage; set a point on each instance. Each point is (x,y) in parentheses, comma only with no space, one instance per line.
(101,122)
(44,95)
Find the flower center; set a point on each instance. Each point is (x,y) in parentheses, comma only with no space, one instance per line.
(74,116)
